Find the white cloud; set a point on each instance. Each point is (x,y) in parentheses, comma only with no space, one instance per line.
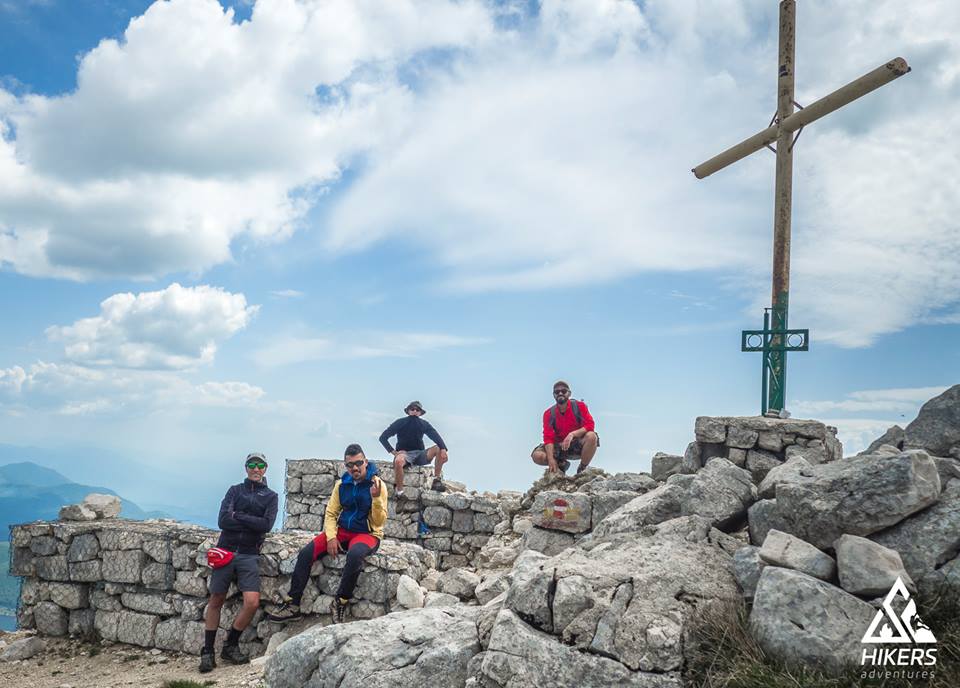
(176,328)
(194,130)
(287,293)
(287,350)
(69,389)
(554,151)
(903,400)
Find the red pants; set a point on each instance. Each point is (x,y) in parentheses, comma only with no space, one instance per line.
(357,545)
(346,538)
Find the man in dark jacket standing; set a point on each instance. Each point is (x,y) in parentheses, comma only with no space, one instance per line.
(410,452)
(247,514)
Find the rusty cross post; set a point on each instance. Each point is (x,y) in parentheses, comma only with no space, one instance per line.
(775,339)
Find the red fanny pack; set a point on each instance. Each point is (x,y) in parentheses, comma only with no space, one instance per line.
(218,557)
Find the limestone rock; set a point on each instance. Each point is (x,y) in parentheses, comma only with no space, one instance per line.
(412,648)
(860,495)
(709,429)
(720,492)
(928,538)
(792,471)
(440,599)
(547,542)
(747,566)
(104,505)
(605,503)
(459,582)
(815,452)
(409,593)
(804,621)
(691,459)
(892,437)
(662,466)
(868,569)
(77,512)
(567,512)
(653,507)
(783,549)
(760,462)
(936,428)
(519,656)
(761,517)
(50,619)
(21,649)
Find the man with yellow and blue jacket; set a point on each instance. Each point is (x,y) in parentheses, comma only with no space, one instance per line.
(353,522)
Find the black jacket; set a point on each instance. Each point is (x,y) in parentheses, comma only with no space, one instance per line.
(410,431)
(247,514)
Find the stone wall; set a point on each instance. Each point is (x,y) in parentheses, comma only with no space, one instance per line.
(454,524)
(145,582)
(752,442)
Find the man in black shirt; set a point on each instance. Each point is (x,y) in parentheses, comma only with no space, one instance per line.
(247,514)
(410,452)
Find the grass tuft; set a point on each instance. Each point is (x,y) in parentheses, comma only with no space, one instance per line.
(725,654)
(187,683)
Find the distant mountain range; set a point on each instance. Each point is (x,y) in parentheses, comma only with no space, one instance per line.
(29,492)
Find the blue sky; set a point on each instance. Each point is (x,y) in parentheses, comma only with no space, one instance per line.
(229,227)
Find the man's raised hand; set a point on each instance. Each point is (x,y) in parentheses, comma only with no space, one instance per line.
(376,487)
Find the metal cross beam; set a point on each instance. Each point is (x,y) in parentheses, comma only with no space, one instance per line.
(785,124)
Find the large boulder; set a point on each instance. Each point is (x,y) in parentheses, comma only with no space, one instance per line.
(519,656)
(892,437)
(804,621)
(927,539)
(794,470)
(104,505)
(720,492)
(564,511)
(629,596)
(783,549)
(412,648)
(859,495)
(937,427)
(653,507)
(662,466)
(868,569)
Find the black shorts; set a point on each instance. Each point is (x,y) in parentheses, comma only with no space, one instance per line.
(576,448)
(244,568)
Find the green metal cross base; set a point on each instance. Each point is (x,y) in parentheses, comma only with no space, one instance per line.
(774,343)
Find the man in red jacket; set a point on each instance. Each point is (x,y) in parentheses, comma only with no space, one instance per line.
(568,430)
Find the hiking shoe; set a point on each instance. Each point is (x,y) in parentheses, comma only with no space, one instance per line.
(563,465)
(234,655)
(398,494)
(438,485)
(338,610)
(287,611)
(208,661)
(581,468)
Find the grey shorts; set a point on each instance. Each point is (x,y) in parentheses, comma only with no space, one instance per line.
(244,567)
(416,457)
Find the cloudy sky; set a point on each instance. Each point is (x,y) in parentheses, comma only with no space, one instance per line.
(228,226)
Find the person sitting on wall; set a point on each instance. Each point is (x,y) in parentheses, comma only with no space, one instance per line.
(410,452)
(353,522)
(568,431)
(247,514)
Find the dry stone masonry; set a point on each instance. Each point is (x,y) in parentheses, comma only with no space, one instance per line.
(589,580)
(145,583)
(454,524)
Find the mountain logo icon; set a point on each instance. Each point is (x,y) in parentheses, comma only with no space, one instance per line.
(907,627)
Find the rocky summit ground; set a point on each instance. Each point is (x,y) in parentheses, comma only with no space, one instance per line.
(75,664)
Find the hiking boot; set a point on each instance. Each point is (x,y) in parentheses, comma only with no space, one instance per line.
(398,494)
(581,468)
(208,661)
(338,610)
(233,654)
(287,611)
(438,485)
(563,465)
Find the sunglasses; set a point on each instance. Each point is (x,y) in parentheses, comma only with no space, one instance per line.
(353,464)
(560,391)
(256,464)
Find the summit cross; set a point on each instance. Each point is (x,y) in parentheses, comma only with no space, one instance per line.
(775,339)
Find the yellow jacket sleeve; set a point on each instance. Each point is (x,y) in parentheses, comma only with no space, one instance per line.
(332,513)
(378,512)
